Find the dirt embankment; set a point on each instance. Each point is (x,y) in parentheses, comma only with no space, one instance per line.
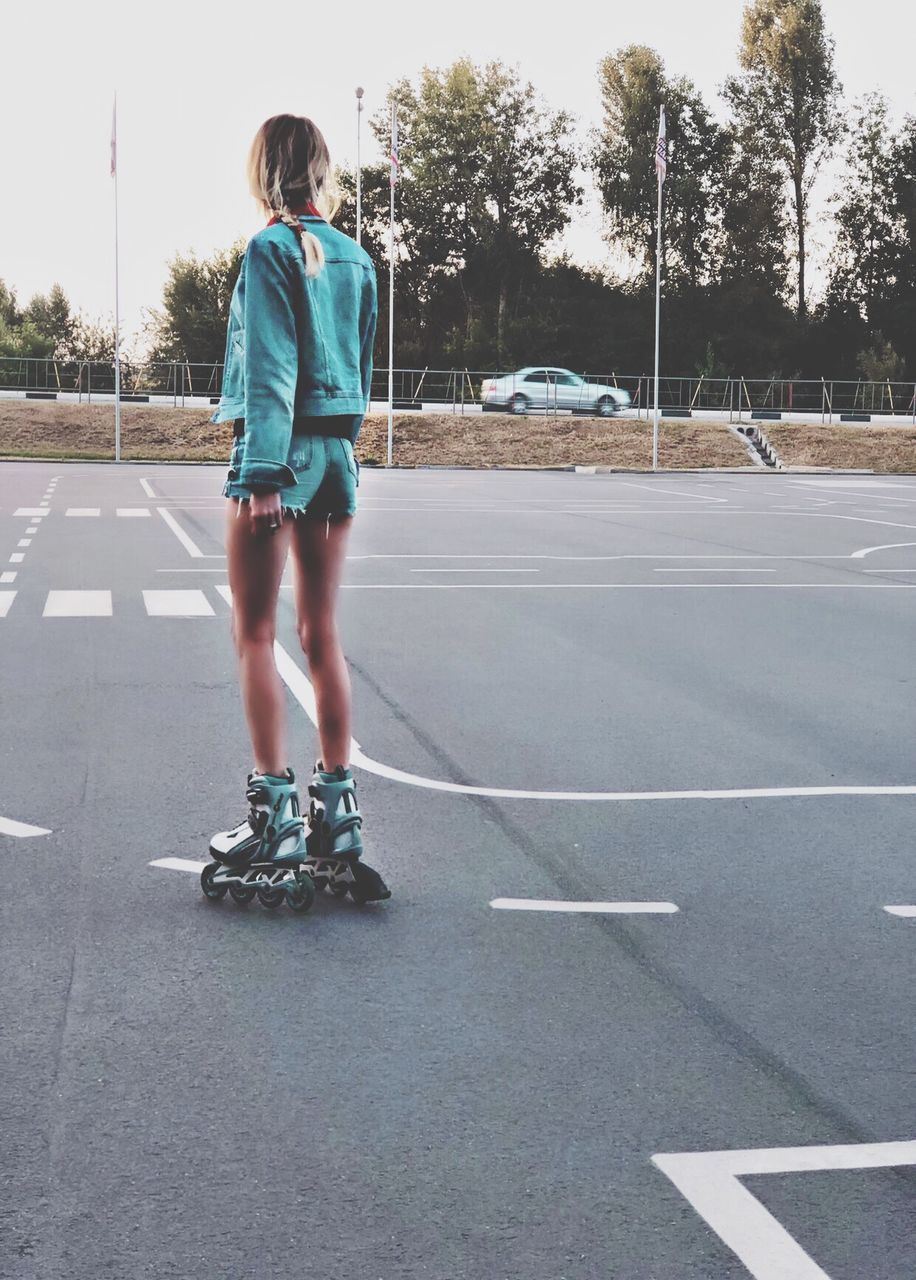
(53,430)
(841,447)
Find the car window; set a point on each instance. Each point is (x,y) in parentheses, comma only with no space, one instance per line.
(539,375)
(567,379)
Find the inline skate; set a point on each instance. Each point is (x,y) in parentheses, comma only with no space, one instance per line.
(264,855)
(334,845)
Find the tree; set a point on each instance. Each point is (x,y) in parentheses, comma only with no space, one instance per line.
(9,312)
(50,315)
(487,181)
(191,324)
(752,255)
(787,99)
(633,88)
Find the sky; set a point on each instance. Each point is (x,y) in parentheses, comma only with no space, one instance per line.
(195,79)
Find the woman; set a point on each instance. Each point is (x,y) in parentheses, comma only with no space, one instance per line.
(296,382)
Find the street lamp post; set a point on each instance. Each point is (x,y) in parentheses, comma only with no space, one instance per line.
(359,172)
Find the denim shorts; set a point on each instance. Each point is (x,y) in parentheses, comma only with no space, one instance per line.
(327,475)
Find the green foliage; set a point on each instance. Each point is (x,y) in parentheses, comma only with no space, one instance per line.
(634,86)
(486,182)
(191,324)
(880,362)
(786,99)
(24,341)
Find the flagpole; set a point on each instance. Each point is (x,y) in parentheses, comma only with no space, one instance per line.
(658,295)
(114,171)
(394,162)
(661,167)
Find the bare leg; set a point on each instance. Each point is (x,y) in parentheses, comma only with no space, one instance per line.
(319,551)
(256,564)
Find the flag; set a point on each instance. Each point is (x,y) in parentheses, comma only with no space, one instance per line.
(114,137)
(661,149)
(395,165)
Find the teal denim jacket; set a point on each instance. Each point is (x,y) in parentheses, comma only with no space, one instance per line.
(296,346)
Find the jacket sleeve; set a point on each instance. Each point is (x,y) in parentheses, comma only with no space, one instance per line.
(368,320)
(271,366)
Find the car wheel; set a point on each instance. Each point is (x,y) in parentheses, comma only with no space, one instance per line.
(518,404)
(606,407)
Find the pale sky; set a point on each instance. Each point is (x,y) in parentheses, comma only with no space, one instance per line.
(195,79)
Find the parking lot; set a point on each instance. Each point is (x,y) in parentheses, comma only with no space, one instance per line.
(635,756)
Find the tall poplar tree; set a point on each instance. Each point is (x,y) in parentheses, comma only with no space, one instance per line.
(787,99)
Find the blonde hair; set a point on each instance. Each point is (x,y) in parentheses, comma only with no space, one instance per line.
(289,164)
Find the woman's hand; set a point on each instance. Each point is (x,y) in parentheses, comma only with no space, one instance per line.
(265,513)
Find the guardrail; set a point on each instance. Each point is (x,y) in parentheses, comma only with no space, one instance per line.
(461,390)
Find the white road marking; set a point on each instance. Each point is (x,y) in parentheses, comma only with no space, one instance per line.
(33,528)
(147,488)
(43,504)
(21,829)
(189,545)
(179,864)
(887,546)
(31,512)
(132,511)
(602,908)
(83,511)
(24,542)
(6,601)
(8,576)
(177,604)
(624,586)
(299,685)
(699,570)
(853,484)
(709,1182)
(907,912)
(78,604)
(17,557)
(889,570)
(705,497)
(432,570)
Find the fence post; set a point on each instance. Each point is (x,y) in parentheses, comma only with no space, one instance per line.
(89,382)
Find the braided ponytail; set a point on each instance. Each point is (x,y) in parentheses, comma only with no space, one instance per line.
(312,249)
(289,164)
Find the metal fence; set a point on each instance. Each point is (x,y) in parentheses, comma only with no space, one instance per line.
(463,390)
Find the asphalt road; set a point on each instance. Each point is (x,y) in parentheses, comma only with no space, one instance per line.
(695,692)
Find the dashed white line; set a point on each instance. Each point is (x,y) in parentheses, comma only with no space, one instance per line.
(132,511)
(31,512)
(177,604)
(432,570)
(697,569)
(179,864)
(146,487)
(907,912)
(17,557)
(6,602)
(83,511)
(8,576)
(24,542)
(583,908)
(78,604)
(21,829)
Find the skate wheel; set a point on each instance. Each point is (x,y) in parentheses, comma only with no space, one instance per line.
(270,898)
(321,882)
(241,893)
(212,891)
(340,890)
(301,896)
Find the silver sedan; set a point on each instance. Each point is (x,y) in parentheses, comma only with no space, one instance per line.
(546,388)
